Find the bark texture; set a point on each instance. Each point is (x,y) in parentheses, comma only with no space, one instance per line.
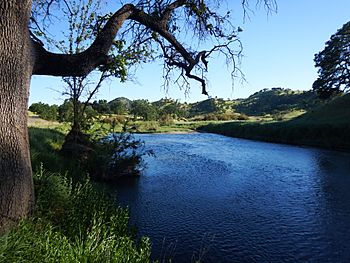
(16,186)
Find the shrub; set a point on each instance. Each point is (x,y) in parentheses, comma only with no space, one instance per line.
(117,155)
(166,120)
(150,126)
(114,119)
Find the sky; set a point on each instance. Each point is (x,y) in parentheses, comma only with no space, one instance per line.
(278,51)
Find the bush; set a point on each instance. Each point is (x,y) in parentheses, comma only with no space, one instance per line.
(224,117)
(166,120)
(114,120)
(150,126)
(116,156)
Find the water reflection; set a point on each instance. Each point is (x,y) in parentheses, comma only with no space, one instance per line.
(241,201)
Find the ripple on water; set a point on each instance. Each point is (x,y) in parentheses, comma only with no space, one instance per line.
(242,201)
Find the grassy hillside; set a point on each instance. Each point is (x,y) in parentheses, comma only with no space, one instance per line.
(336,111)
(272,101)
(325,126)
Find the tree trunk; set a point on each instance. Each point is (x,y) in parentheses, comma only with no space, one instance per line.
(20,57)
(16,63)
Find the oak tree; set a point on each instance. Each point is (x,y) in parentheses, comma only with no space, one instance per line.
(334,64)
(166,25)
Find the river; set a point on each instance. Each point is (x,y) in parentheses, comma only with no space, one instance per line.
(219,199)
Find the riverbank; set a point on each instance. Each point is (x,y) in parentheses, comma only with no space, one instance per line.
(327,126)
(73,220)
(324,136)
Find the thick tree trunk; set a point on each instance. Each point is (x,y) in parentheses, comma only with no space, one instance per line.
(16,185)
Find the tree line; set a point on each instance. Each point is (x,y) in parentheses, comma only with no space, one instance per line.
(266,101)
(137,109)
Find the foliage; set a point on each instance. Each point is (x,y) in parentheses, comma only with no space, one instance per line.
(224,117)
(275,102)
(72,223)
(166,120)
(73,220)
(101,106)
(117,156)
(44,146)
(143,109)
(66,113)
(206,106)
(172,108)
(334,65)
(45,111)
(120,106)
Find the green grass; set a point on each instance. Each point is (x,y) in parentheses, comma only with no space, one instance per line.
(150,127)
(72,220)
(335,112)
(72,223)
(177,126)
(327,126)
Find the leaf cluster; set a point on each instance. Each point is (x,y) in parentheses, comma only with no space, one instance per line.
(334,64)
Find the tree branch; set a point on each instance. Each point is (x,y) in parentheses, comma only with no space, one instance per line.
(83,63)
(47,63)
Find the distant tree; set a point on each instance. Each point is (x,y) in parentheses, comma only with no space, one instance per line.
(50,113)
(171,109)
(119,107)
(144,109)
(45,111)
(37,107)
(66,113)
(101,106)
(334,64)
(174,109)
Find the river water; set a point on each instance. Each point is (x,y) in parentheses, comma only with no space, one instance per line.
(219,199)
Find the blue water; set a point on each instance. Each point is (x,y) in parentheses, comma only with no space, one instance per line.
(221,199)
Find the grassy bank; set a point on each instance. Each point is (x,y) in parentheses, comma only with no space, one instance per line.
(72,220)
(151,126)
(327,126)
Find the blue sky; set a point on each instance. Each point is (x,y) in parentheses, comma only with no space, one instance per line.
(278,52)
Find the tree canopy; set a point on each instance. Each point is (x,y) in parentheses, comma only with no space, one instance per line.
(334,64)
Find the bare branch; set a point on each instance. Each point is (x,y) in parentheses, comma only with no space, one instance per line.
(159,20)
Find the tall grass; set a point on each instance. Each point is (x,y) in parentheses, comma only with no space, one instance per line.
(72,224)
(72,221)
